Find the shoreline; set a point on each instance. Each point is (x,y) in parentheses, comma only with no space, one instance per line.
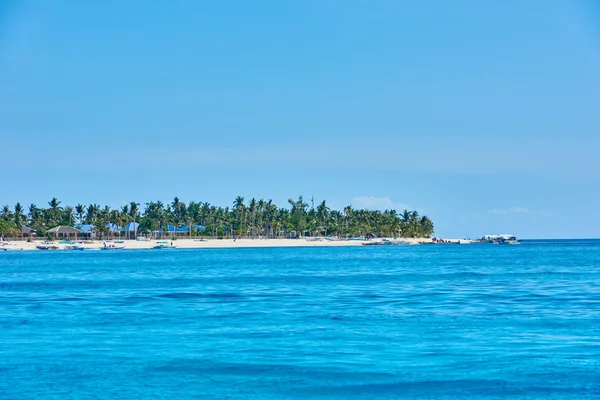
(209,243)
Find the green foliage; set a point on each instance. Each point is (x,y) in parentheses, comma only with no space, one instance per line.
(256,218)
(7,228)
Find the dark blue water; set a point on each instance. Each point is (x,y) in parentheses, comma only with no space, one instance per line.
(422,322)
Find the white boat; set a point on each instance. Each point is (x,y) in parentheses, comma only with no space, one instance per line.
(400,242)
(500,239)
(164,245)
(113,245)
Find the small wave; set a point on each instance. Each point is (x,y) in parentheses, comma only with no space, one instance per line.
(70,299)
(187,295)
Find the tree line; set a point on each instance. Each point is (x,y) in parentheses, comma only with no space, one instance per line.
(253,218)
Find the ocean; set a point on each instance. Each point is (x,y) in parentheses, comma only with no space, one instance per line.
(378,322)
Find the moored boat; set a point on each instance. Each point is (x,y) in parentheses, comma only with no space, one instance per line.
(500,239)
(383,242)
(113,245)
(46,247)
(164,245)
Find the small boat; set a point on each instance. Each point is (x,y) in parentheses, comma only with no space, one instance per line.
(113,246)
(164,245)
(383,242)
(46,247)
(400,242)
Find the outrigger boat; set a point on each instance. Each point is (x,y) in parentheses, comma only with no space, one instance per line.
(164,245)
(113,246)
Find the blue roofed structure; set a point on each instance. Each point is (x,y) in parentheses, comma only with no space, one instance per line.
(182,230)
(85,228)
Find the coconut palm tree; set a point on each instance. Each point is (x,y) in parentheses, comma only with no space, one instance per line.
(6,213)
(92,213)
(134,215)
(18,217)
(238,206)
(79,211)
(54,204)
(323,217)
(298,215)
(252,207)
(348,212)
(68,217)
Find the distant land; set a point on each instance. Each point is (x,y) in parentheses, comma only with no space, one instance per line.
(254,218)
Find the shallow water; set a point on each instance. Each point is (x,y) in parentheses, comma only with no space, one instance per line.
(422,322)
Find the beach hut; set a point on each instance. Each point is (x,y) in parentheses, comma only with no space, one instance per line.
(27,232)
(64,232)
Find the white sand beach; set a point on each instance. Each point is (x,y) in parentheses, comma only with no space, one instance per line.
(206,243)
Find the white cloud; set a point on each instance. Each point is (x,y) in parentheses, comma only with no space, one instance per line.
(520,210)
(377,203)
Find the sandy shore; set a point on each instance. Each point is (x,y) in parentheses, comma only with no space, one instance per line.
(205,243)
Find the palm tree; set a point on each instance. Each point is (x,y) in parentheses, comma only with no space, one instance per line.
(204,212)
(32,211)
(426,226)
(348,212)
(67,216)
(178,211)
(79,210)
(54,204)
(238,206)
(105,220)
(252,207)
(298,215)
(18,216)
(134,215)
(323,216)
(6,214)
(92,213)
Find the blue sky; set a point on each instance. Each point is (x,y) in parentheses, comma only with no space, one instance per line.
(483,115)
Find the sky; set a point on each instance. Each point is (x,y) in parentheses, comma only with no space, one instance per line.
(483,115)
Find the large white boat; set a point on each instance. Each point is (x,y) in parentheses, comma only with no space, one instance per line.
(500,239)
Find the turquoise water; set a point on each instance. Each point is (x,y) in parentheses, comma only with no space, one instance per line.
(414,322)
